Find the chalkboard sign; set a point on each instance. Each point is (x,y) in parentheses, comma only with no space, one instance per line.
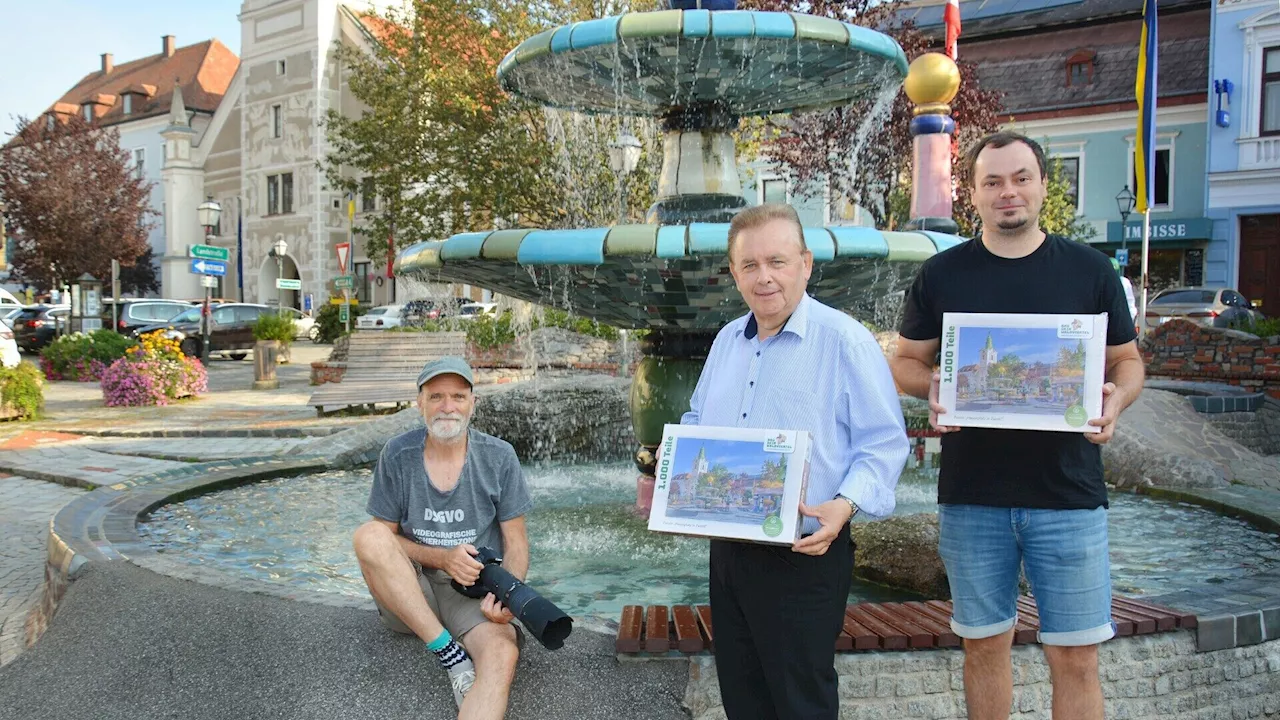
(1194,267)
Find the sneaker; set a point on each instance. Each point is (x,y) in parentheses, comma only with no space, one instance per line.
(462,676)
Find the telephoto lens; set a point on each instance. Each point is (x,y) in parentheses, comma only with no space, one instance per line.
(540,616)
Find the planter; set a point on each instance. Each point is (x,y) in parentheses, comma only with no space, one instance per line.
(327,372)
(266,355)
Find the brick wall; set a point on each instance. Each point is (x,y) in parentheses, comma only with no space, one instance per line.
(1181,349)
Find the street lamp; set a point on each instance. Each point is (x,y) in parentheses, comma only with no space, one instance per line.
(624,154)
(207,214)
(278,251)
(1124,201)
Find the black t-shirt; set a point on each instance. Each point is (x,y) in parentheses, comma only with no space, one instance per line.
(1018,468)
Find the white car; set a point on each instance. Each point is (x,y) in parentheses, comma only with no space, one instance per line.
(305,325)
(471,311)
(379,318)
(9,354)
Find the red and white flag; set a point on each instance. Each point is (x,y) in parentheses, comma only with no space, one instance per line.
(951,17)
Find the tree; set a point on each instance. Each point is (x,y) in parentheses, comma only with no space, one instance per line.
(448,150)
(71,202)
(1058,214)
(863,151)
(140,278)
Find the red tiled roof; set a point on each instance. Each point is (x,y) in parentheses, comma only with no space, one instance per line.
(204,69)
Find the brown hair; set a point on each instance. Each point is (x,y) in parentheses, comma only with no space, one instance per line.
(754,217)
(999,140)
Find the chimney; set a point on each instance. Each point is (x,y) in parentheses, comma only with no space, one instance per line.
(168,45)
(106,63)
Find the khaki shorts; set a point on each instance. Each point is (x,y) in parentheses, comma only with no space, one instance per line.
(458,613)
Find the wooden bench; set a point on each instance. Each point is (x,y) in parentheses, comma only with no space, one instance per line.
(382,368)
(686,629)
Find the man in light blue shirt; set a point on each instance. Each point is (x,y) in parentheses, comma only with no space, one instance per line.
(793,363)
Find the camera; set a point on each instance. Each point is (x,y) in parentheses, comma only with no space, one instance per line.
(540,616)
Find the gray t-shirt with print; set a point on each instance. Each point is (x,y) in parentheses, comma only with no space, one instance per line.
(490,490)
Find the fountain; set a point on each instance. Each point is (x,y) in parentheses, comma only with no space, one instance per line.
(699,71)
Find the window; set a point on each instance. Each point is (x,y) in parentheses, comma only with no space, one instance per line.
(126,104)
(49,121)
(277,122)
(361,272)
(280,194)
(88,112)
(139,163)
(273,195)
(1270,92)
(773,190)
(1069,166)
(368,197)
(1080,68)
(1162,193)
(281,67)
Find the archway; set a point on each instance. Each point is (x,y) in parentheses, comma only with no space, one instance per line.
(267,274)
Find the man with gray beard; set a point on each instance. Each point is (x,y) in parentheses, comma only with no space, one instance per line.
(439,492)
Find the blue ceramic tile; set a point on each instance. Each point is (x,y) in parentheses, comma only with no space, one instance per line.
(697,23)
(708,238)
(774,25)
(861,242)
(671,241)
(820,243)
(464,246)
(595,32)
(732,23)
(563,247)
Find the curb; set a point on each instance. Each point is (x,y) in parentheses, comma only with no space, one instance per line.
(283,432)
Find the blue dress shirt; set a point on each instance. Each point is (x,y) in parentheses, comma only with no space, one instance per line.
(825,373)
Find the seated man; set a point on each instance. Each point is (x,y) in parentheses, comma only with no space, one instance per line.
(438,493)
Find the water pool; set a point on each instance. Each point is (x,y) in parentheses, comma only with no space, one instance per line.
(590,555)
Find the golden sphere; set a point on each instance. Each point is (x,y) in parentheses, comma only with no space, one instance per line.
(932,78)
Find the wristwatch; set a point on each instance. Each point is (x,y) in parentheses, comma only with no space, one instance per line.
(852,505)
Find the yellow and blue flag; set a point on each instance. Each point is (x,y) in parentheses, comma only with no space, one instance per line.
(1144,160)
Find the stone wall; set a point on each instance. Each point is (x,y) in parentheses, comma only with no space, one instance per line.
(1184,350)
(1146,676)
(554,347)
(1259,431)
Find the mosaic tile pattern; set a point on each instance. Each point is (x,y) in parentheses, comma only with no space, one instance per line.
(668,277)
(747,62)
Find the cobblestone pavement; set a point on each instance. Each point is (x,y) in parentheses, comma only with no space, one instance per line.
(25,508)
(75,463)
(195,449)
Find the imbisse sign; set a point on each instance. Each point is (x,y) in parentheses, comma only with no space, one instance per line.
(1163,230)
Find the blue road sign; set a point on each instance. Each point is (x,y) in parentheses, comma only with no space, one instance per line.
(208,267)
(1122,256)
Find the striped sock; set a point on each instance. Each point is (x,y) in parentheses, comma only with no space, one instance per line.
(448,651)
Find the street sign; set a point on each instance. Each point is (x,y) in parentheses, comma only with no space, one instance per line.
(208,267)
(344,254)
(209,281)
(344,313)
(1122,256)
(288,284)
(209,252)
(344,282)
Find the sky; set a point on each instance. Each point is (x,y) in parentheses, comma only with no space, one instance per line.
(736,456)
(1031,345)
(50,45)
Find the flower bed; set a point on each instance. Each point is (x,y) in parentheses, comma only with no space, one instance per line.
(155,372)
(83,357)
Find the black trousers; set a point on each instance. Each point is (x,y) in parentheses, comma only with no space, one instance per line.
(776,615)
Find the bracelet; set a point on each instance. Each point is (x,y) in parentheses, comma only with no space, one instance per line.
(852,505)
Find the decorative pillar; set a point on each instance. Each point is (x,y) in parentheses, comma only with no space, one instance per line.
(932,81)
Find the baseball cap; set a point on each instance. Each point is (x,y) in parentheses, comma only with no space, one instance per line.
(444,366)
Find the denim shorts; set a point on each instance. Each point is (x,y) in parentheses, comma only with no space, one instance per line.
(1064,553)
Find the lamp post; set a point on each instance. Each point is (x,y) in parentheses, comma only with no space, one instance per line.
(207,213)
(278,251)
(1124,202)
(624,154)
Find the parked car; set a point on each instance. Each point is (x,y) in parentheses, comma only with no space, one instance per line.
(230,329)
(36,325)
(8,313)
(305,324)
(134,313)
(380,318)
(1209,307)
(9,354)
(471,311)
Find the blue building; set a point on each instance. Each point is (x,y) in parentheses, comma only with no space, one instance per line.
(1243,193)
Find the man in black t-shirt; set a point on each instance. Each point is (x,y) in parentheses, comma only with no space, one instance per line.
(1010,498)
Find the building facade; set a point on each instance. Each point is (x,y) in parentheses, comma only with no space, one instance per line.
(1243,120)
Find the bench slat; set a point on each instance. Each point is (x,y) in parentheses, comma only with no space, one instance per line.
(920,633)
(688,639)
(656,637)
(941,622)
(890,637)
(629,630)
(863,639)
(1142,624)
(704,621)
(1167,618)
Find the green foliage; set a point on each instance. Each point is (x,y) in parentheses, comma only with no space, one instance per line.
(553,317)
(21,389)
(83,356)
(274,326)
(487,333)
(1265,328)
(331,327)
(1058,214)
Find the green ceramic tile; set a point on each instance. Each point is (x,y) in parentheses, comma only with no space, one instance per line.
(631,240)
(503,245)
(534,47)
(812,27)
(650,24)
(908,247)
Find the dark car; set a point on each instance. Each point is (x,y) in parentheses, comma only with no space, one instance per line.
(131,314)
(230,329)
(37,325)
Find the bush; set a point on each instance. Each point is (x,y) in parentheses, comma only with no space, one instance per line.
(552,317)
(487,333)
(82,356)
(22,390)
(1265,328)
(154,372)
(331,328)
(273,326)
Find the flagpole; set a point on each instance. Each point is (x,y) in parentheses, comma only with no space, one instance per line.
(1146,243)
